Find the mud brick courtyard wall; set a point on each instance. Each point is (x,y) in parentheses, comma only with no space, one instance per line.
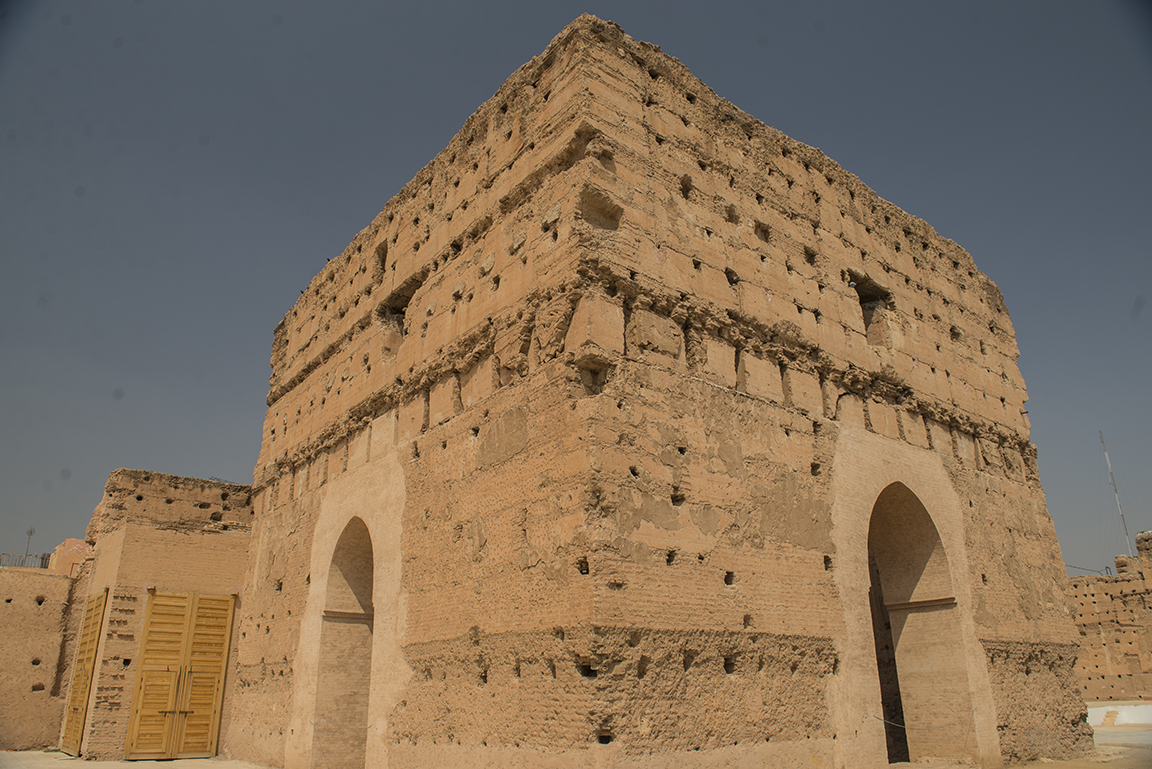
(634,429)
(151,532)
(1114,616)
(34,660)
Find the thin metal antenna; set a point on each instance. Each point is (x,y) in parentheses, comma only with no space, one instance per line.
(1127,541)
(30,532)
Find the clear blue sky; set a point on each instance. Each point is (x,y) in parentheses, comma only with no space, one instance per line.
(172,174)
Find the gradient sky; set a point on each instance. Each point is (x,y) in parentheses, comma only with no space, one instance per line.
(173,174)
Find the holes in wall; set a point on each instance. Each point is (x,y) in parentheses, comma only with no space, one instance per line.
(40,600)
(748,620)
(598,210)
(593,376)
(677,497)
(642,666)
(815,468)
(696,264)
(633,471)
(139,497)
(729,578)
(614,585)
(217,516)
(732,277)
(955,334)
(731,216)
(582,565)
(984,578)
(689,657)
(279,585)
(669,558)
(381,260)
(875,300)
(35,661)
(604,738)
(762,231)
(685,186)
(730,665)
(810,255)
(584,667)
(37,687)
(827,563)
(691,97)
(127,661)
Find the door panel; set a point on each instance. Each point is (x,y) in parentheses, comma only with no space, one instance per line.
(82,673)
(203,691)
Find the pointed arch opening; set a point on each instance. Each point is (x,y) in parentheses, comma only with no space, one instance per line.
(340,725)
(920,661)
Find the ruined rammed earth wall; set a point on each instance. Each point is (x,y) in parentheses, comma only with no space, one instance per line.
(614,384)
(152,531)
(1114,616)
(33,659)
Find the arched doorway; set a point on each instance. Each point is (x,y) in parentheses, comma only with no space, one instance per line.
(920,661)
(340,725)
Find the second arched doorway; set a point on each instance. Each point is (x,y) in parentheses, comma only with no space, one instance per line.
(923,675)
(340,723)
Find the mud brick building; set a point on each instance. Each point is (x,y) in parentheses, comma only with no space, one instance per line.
(1114,616)
(635,433)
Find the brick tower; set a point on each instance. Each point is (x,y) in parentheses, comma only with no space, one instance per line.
(633,432)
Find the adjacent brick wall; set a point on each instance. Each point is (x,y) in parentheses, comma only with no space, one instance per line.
(33,666)
(1114,616)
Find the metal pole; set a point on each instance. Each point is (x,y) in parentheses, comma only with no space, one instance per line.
(1127,541)
(28,547)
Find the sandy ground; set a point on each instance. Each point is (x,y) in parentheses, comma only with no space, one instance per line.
(1117,747)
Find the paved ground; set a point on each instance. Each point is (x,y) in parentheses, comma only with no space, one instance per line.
(1117,747)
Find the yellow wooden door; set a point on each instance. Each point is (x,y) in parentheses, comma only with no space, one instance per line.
(82,673)
(202,690)
(180,682)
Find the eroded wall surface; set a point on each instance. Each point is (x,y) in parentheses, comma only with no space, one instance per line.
(1114,617)
(611,390)
(152,531)
(33,660)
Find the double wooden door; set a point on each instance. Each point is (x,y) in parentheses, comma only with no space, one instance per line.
(180,681)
